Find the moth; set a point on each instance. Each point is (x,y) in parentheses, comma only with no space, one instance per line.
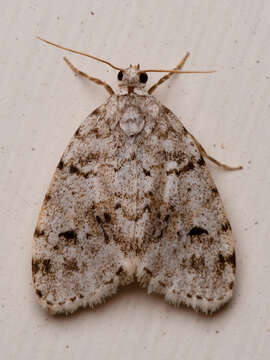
(132,200)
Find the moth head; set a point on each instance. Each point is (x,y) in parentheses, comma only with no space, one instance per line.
(132,77)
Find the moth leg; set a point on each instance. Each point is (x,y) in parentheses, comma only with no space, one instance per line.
(204,154)
(95,80)
(166,77)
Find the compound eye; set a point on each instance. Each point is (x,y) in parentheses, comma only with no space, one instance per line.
(120,75)
(143,78)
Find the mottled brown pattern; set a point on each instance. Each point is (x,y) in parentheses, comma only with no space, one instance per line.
(38,232)
(132,200)
(71,265)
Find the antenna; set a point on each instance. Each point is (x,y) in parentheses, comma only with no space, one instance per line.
(80,53)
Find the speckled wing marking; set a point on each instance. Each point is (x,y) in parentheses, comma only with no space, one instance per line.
(188,251)
(132,199)
(77,256)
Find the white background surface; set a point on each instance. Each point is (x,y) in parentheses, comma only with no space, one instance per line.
(42,104)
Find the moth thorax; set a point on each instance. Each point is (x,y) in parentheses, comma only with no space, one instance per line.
(132,121)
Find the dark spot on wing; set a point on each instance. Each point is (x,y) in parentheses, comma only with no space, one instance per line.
(38,232)
(73,169)
(201,161)
(96,111)
(107,217)
(35,266)
(166,219)
(39,293)
(226,226)
(41,264)
(46,266)
(98,219)
(231,259)
(223,260)
(214,190)
(68,235)
(117,206)
(119,271)
(196,230)
(146,172)
(188,167)
(166,110)
(185,130)
(147,207)
(106,236)
(47,197)
(60,165)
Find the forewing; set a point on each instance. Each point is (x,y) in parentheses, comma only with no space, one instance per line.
(76,261)
(187,247)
